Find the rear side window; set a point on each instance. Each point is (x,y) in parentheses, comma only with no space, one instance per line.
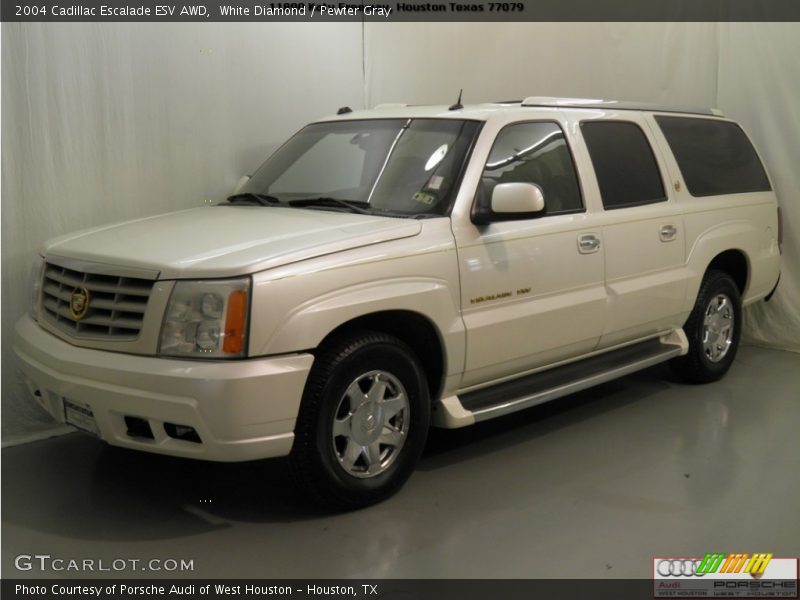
(715,157)
(624,164)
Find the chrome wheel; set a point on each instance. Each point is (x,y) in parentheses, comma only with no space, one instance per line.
(370,424)
(718,327)
(713,329)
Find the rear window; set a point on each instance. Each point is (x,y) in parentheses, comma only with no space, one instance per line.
(623,161)
(715,157)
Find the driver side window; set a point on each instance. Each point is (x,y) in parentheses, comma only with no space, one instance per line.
(535,153)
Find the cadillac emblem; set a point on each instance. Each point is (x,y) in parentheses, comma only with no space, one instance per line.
(79,303)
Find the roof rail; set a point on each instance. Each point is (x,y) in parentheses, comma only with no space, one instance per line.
(556,101)
(550,101)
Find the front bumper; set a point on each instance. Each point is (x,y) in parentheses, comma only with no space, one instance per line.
(241,410)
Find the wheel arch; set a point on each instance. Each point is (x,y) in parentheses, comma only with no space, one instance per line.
(735,263)
(412,328)
(741,243)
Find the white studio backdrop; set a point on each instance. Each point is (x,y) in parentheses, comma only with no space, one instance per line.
(106,122)
(103,122)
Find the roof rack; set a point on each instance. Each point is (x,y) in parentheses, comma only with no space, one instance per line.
(549,101)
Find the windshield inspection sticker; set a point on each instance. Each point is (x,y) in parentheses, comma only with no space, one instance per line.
(435,182)
(424,198)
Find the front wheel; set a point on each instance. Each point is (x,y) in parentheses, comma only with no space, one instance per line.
(713,328)
(363,421)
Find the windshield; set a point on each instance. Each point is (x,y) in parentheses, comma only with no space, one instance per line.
(400,167)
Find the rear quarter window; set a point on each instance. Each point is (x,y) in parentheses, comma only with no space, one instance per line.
(715,157)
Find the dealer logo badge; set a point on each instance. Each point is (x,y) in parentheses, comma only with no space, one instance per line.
(79,303)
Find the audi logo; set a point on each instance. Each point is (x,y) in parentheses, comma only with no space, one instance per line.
(679,567)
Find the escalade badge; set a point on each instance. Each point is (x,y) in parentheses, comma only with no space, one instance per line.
(79,303)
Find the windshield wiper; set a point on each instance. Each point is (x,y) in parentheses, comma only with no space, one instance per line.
(351,205)
(249,197)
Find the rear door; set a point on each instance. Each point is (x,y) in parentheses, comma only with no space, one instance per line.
(642,229)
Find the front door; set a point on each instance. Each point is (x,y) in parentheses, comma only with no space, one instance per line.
(532,289)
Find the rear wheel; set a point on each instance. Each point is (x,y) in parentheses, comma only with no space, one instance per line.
(363,421)
(714,328)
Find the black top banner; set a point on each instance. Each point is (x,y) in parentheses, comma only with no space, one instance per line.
(411,10)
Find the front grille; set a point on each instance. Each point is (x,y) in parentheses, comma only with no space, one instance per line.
(116,305)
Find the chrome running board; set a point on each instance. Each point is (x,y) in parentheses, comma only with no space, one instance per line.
(518,394)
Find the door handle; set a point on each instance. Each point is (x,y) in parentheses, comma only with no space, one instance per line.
(588,243)
(668,233)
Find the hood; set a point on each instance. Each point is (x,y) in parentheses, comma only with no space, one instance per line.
(224,241)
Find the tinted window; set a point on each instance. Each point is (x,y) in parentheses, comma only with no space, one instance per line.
(623,161)
(535,153)
(715,157)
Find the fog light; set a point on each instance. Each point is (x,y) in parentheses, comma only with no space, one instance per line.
(182,432)
(138,428)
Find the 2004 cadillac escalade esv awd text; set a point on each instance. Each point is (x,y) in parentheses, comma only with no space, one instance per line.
(393,269)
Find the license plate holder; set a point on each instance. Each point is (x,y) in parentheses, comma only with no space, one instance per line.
(80,416)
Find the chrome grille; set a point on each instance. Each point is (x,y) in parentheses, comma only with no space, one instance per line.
(116,305)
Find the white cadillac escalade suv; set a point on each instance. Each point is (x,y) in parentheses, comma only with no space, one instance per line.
(393,269)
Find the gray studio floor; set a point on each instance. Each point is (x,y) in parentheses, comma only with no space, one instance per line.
(593,485)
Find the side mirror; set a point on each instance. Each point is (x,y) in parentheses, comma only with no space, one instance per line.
(510,202)
(241,183)
(516,198)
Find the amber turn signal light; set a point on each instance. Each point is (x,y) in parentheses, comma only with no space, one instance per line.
(235,322)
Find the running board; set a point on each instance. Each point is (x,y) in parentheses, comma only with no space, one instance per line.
(531,390)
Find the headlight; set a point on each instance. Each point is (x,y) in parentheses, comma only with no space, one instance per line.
(35,285)
(207,319)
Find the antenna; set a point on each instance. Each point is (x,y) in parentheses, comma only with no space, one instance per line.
(458,105)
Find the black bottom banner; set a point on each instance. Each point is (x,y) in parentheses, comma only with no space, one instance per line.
(393,589)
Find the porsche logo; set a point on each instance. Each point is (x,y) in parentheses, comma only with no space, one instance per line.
(79,303)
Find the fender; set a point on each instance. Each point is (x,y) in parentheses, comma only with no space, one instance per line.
(294,308)
(307,325)
(738,235)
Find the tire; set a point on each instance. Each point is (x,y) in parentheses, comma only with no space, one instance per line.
(363,421)
(713,328)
